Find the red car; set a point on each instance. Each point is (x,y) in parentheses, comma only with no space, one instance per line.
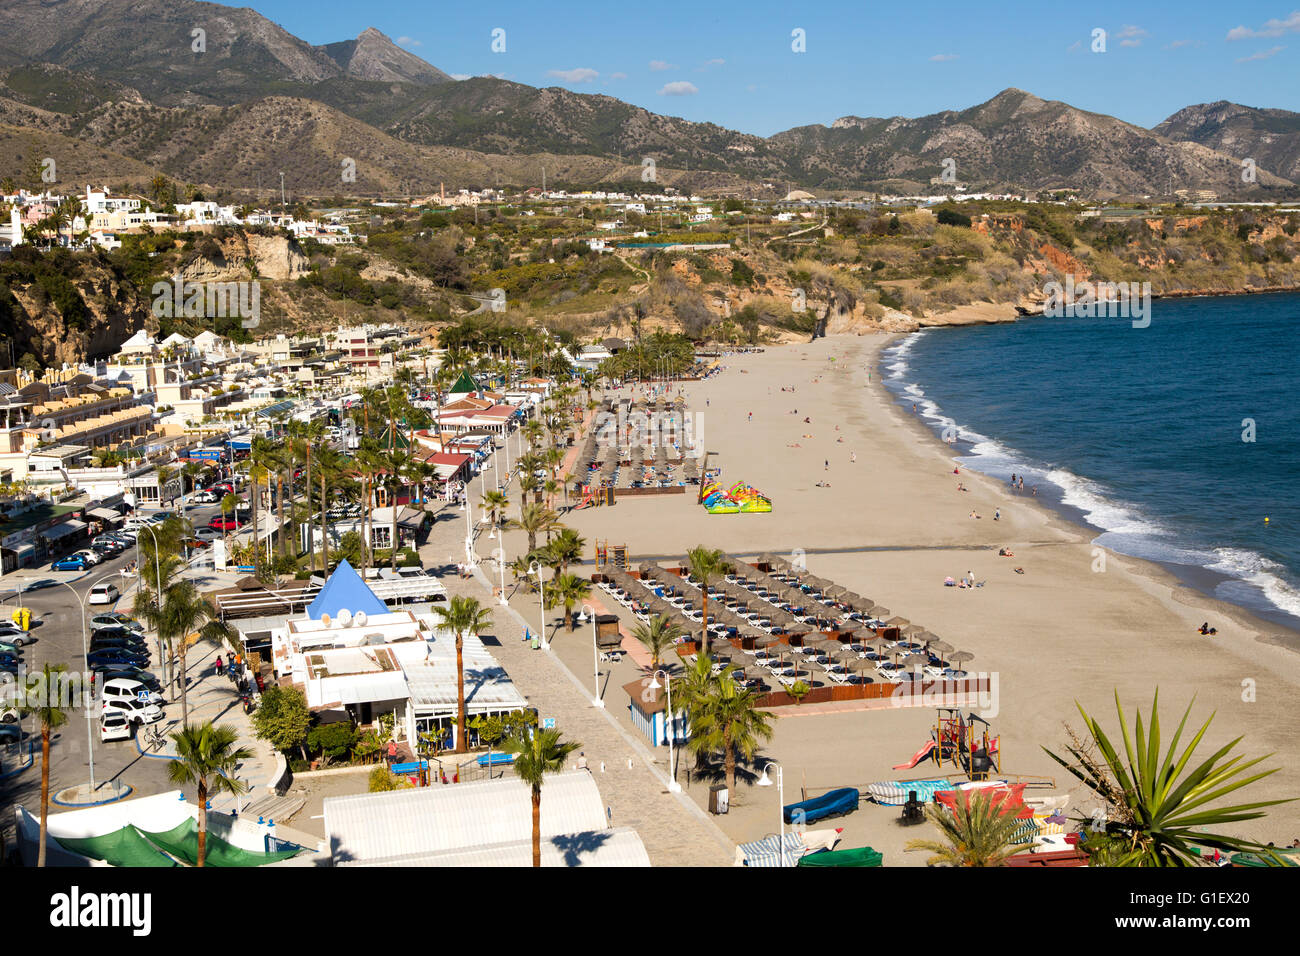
(223,524)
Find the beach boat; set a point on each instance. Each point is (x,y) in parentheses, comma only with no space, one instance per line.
(833,803)
(857,856)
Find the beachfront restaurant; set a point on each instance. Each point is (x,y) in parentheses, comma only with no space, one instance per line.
(351,653)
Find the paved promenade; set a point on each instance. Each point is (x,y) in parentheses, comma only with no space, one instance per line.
(633,783)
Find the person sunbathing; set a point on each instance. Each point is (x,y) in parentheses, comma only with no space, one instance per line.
(974,515)
(1020,570)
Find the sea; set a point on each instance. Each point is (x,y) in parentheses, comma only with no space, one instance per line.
(1178,442)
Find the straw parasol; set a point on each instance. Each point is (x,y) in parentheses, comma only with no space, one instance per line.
(939,648)
(897,622)
(879,613)
(960,657)
(911,629)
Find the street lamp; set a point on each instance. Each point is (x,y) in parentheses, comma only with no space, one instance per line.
(157,567)
(589,611)
(85,653)
(673,785)
(765,781)
(469,528)
(535,570)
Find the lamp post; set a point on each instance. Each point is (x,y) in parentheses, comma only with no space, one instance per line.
(469,527)
(85,652)
(535,569)
(157,567)
(671,722)
(766,781)
(589,611)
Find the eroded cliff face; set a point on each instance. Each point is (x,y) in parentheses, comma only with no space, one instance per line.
(242,256)
(112,307)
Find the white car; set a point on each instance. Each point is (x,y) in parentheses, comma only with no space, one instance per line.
(207,534)
(103,594)
(135,710)
(123,688)
(114,725)
(92,557)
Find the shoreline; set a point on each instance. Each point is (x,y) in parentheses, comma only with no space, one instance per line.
(1199,579)
(865,494)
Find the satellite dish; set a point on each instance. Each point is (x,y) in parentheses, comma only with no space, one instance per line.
(345,617)
(360,619)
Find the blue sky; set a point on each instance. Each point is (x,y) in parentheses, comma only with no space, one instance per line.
(731,62)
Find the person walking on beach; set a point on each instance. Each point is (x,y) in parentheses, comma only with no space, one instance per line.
(1021,485)
(997,514)
(827,465)
(853,456)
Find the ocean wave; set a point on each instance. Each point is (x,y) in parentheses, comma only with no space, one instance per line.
(1099,509)
(1263,573)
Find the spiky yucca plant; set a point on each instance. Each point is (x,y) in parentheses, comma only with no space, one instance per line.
(1156,810)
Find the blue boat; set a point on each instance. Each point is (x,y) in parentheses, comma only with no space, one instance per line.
(833,803)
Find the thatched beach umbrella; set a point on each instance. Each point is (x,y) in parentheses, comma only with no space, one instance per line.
(910,629)
(897,622)
(939,648)
(879,613)
(960,657)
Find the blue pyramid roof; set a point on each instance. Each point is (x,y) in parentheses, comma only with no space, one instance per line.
(345,590)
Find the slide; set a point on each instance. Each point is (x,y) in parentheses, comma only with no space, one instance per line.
(917,757)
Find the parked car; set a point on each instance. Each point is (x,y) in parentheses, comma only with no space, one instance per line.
(128,672)
(91,556)
(11,632)
(10,733)
(135,710)
(114,725)
(11,657)
(73,562)
(123,688)
(224,524)
(8,647)
(106,545)
(206,497)
(116,619)
(115,656)
(117,633)
(103,594)
(207,534)
(196,543)
(134,645)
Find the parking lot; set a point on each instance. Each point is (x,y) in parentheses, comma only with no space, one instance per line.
(57,614)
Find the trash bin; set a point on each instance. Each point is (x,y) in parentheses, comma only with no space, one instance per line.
(719,796)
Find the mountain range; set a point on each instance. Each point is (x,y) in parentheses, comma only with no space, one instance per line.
(223,99)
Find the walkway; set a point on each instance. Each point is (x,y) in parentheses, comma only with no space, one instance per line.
(676,832)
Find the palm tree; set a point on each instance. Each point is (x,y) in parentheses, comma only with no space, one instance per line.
(729,720)
(207,756)
(329,466)
(567,590)
(229,504)
(657,635)
(977,832)
(533,520)
(705,566)
(185,612)
(1155,812)
(43,703)
(495,504)
(190,470)
(566,548)
(397,466)
(461,616)
(537,754)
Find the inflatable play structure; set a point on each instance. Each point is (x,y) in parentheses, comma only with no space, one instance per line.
(739,498)
(749,498)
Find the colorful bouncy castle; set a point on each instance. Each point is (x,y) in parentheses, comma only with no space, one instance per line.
(740,497)
(749,498)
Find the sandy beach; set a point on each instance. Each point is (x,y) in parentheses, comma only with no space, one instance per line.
(892,525)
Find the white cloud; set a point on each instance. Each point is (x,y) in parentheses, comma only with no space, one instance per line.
(618,76)
(716,61)
(1272,28)
(582,74)
(1131,35)
(1262,54)
(408,41)
(659,66)
(679,88)
(462,76)
(943,57)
